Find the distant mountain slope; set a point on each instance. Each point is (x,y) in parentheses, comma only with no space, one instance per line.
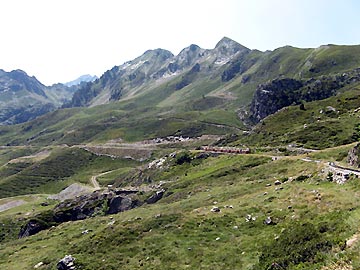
(23,98)
(83,78)
(229,72)
(158,68)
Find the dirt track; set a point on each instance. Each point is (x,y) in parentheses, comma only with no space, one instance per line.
(11,204)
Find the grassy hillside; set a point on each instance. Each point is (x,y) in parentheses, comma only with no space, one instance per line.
(182,232)
(62,167)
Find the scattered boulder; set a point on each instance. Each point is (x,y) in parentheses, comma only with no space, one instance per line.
(330,109)
(269,221)
(215,209)
(38,265)
(277,183)
(250,218)
(66,263)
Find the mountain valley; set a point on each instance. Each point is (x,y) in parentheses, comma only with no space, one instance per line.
(223,158)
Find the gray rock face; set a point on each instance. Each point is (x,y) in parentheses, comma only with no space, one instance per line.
(119,204)
(272,96)
(155,197)
(279,93)
(31,228)
(353,156)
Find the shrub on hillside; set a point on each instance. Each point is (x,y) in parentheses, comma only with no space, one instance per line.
(183,157)
(299,244)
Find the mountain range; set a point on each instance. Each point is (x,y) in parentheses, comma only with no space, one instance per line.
(221,90)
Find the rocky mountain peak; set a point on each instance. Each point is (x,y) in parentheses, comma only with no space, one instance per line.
(17,80)
(229,46)
(189,56)
(160,54)
(192,49)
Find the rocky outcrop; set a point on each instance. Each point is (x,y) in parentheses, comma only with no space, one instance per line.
(31,228)
(353,156)
(119,80)
(81,207)
(279,93)
(188,77)
(272,96)
(120,203)
(85,206)
(66,263)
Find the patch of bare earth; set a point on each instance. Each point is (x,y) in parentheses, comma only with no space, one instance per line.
(36,157)
(11,204)
(340,265)
(352,240)
(71,192)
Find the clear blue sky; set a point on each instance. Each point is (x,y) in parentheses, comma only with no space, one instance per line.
(59,40)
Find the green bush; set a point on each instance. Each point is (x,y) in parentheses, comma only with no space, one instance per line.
(183,157)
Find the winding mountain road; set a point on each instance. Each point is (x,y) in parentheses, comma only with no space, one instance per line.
(94,182)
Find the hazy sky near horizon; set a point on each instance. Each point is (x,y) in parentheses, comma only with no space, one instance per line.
(59,40)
